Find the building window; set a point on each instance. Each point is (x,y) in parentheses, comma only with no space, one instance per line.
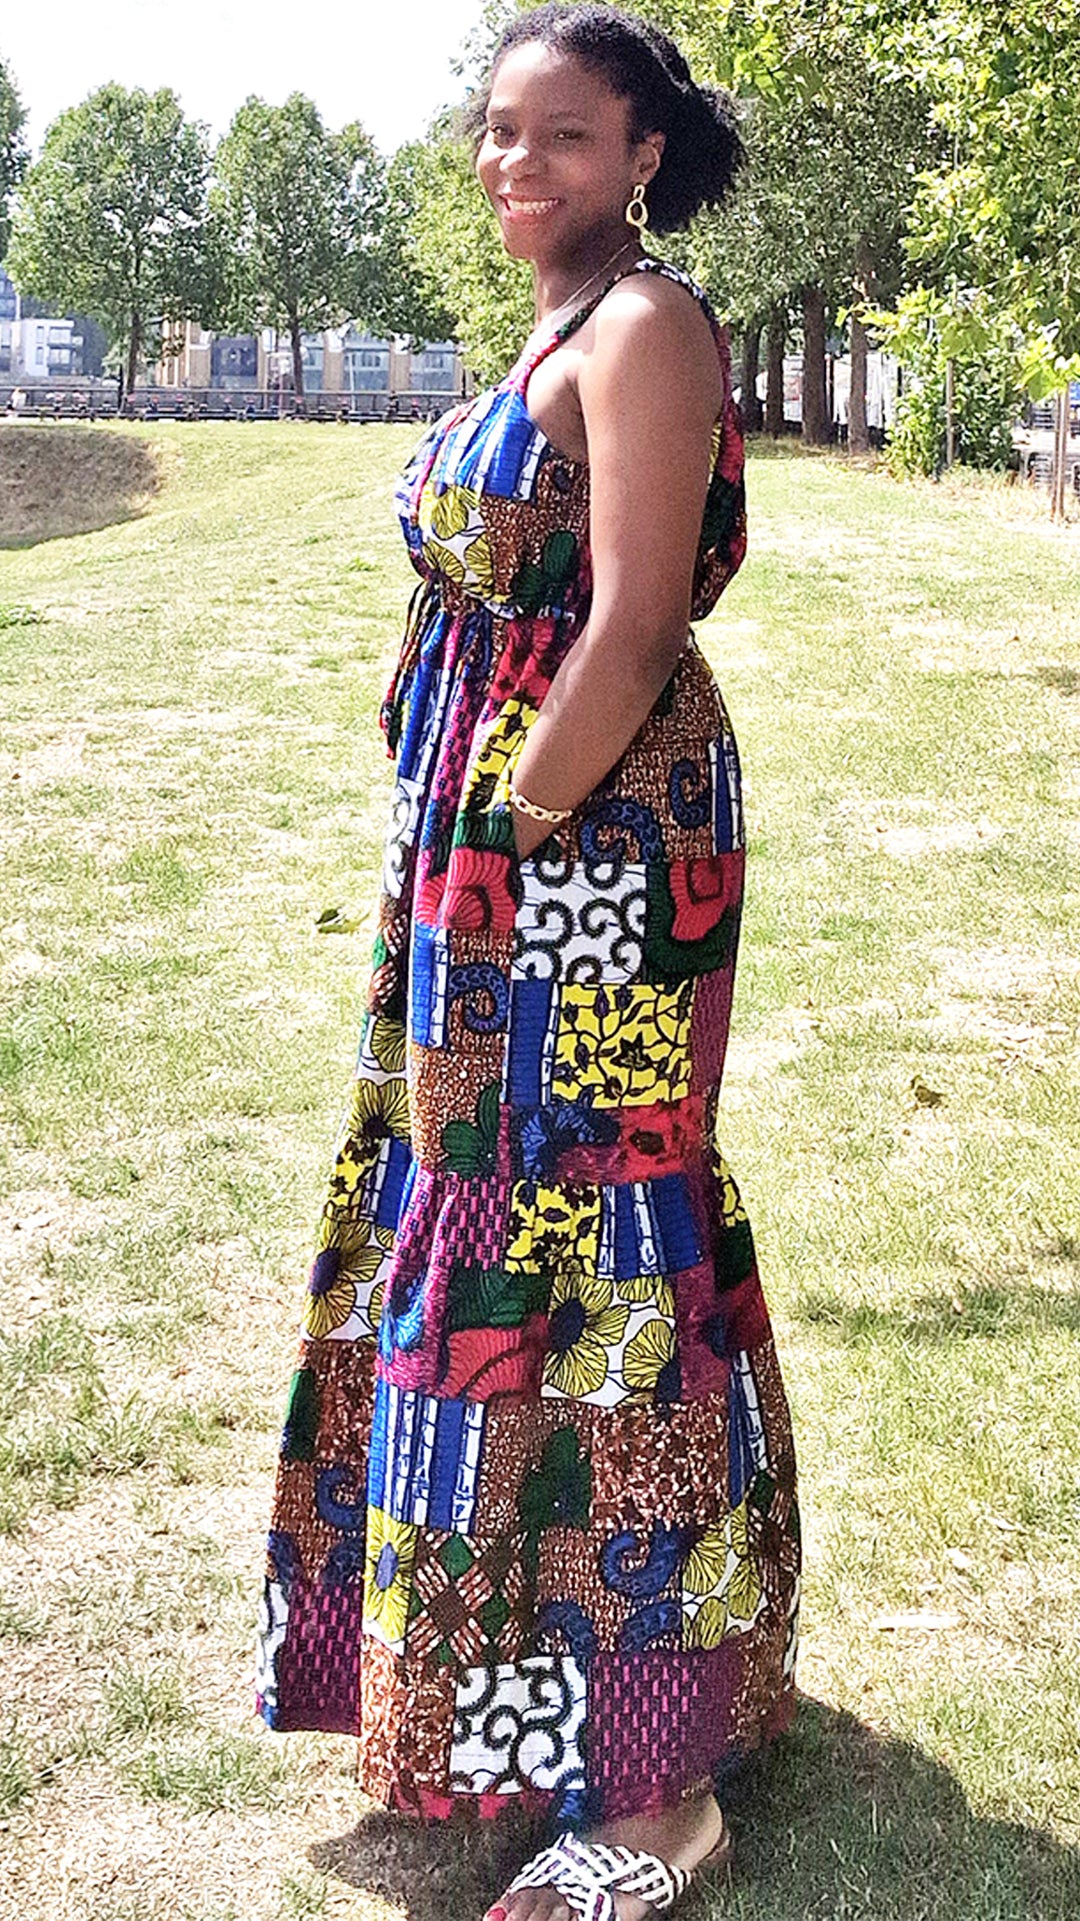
(366,370)
(312,350)
(234,361)
(432,371)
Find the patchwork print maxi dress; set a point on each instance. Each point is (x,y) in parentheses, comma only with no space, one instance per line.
(535,1531)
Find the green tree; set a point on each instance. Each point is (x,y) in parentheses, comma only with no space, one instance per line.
(959,346)
(999,214)
(404,298)
(298,215)
(1002,211)
(836,135)
(837,132)
(457,248)
(111,218)
(12,148)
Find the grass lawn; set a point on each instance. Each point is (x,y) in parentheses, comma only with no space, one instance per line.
(190,774)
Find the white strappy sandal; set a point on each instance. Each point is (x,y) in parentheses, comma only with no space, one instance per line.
(588,1874)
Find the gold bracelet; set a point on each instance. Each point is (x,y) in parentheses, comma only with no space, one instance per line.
(550,815)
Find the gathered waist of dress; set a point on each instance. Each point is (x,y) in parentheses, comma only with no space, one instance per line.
(435,599)
(510,643)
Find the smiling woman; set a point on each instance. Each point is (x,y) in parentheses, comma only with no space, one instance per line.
(536,1533)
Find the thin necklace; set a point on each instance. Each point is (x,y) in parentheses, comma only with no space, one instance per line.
(595,275)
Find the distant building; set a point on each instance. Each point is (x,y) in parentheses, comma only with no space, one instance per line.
(365,363)
(9,308)
(35,349)
(234,361)
(341,360)
(434,370)
(46,350)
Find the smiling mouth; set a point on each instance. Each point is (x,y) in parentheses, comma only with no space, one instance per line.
(515,205)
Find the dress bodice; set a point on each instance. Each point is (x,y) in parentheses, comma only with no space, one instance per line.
(490,507)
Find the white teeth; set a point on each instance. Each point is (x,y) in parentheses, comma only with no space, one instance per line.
(529,206)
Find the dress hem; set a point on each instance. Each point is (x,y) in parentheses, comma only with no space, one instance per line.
(426,1807)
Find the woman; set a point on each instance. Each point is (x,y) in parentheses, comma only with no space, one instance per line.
(535,1534)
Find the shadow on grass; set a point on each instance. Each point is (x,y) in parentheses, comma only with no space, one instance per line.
(1063,680)
(787,446)
(966,1314)
(56,480)
(1059,678)
(836,1823)
(448,1871)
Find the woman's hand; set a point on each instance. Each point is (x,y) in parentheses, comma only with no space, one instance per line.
(528,834)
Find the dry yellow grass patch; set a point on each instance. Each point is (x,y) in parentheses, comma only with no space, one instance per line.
(59,480)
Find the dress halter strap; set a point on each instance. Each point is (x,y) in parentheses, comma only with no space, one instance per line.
(527,365)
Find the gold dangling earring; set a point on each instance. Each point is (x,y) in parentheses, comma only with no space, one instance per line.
(637,214)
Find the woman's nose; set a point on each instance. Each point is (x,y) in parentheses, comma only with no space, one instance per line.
(517,159)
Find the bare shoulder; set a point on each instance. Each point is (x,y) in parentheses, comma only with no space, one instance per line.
(650,321)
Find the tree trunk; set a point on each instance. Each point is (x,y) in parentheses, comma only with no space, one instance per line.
(1061,456)
(776,341)
(134,347)
(858,433)
(816,426)
(751,356)
(858,430)
(297,362)
(950,414)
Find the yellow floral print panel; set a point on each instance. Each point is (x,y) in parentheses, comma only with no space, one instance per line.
(376,1109)
(585,1324)
(626,1046)
(500,750)
(730,1199)
(721,1587)
(607,1343)
(649,1290)
(344,1299)
(388,1563)
(651,1350)
(455,538)
(553,1229)
(382,1047)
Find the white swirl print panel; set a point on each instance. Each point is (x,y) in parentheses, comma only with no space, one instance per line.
(567,930)
(519,1726)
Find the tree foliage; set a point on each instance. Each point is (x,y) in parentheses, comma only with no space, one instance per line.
(835,142)
(110,219)
(297,218)
(12,147)
(919,156)
(1002,212)
(457,247)
(406,298)
(918,153)
(931,332)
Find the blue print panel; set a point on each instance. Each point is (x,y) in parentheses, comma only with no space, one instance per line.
(425,1458)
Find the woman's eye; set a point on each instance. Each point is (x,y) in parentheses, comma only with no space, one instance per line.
(568,133)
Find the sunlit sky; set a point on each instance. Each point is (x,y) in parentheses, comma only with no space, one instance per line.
(386,65)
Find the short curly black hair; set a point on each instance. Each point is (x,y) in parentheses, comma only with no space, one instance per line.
(703,150)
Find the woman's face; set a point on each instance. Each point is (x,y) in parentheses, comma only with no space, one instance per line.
(557,161)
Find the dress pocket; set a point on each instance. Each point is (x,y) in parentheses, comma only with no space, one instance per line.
(579,922)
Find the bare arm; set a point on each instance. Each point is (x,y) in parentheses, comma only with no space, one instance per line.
(650,389)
